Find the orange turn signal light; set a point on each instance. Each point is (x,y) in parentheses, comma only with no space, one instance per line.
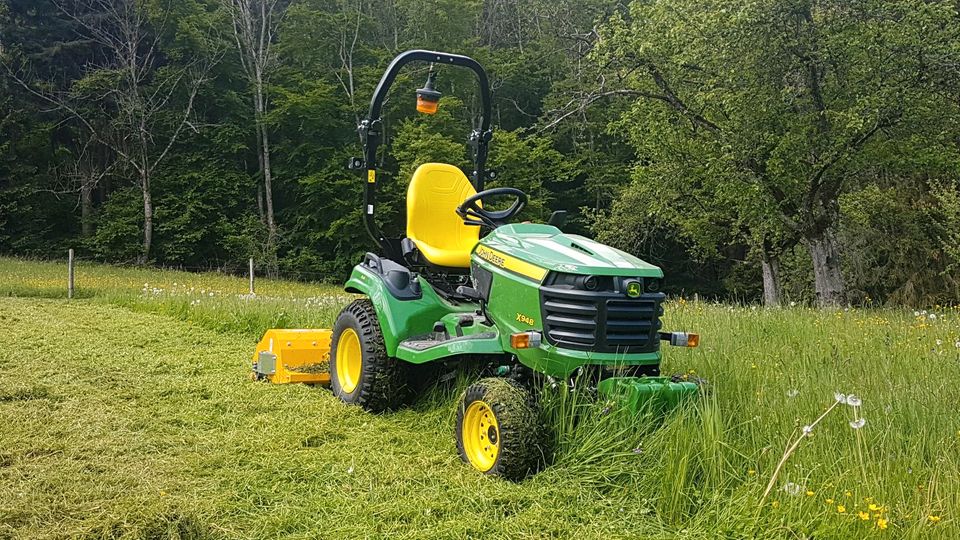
(525,340)
(681,339)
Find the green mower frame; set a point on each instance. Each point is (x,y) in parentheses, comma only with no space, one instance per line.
(534,304)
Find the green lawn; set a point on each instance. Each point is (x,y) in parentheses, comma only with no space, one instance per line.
(128,413)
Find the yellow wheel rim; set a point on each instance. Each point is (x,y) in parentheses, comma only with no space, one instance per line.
(481,435)
(349,360)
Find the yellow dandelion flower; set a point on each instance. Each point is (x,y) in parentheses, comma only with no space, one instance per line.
(775,504)
(933,519)
(810,493)
(875,507)
(841,509)
(751,472)
(881,523)
(829,501)
(863,515)
(848,494)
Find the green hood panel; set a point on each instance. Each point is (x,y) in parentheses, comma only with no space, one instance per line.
(547,247)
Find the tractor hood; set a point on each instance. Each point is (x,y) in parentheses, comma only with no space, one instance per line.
(545,246)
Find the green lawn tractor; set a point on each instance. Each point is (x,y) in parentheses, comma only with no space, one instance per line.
(465,284)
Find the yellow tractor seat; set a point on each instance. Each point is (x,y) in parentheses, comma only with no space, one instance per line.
(435,191)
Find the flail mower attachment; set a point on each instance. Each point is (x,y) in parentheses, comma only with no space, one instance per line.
(293,356)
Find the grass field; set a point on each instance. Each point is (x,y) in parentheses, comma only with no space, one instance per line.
(127,413)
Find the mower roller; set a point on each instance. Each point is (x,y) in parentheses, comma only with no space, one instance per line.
(527,301)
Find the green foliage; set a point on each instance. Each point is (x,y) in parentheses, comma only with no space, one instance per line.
(948,198)
(755,118)
(118,231)
(693,134)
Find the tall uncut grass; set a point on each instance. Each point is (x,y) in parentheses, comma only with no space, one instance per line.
(884,463)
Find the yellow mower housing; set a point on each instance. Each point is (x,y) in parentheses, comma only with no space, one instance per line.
(293,356)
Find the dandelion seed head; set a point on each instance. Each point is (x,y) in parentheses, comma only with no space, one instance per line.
(858,423)
(792,393)
(792,489)
(839,397)
(807,430)
(854,401)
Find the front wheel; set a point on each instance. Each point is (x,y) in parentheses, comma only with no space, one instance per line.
(498,430)
(361,372)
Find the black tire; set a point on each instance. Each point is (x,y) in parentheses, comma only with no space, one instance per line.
(519,435)
(382,381)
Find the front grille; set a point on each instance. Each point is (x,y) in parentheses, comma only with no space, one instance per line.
(601,321)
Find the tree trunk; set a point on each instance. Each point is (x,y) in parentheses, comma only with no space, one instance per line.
(770,264)
(828,282)
(259,137)
(147,217)
(260,213)
(86,208)
(268,190)
(265,162)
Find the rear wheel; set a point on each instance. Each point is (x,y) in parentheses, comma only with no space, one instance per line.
(498,431)
(361,372)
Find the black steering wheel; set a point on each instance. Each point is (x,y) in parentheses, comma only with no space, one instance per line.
(473,214)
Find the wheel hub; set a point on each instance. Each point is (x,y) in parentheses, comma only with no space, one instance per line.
(480,435)
(349,360)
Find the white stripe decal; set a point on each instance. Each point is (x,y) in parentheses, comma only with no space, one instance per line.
(579,256)
(611,254)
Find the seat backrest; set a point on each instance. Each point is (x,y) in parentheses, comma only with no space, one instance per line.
(435,191)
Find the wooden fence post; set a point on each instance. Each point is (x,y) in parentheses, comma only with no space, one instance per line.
(70,274)
(251,277)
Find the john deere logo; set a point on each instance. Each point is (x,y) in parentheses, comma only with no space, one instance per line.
(633,289)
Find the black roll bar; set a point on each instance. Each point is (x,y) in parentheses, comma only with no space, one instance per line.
(371,133)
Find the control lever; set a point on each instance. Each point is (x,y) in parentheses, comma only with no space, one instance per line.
(469,292)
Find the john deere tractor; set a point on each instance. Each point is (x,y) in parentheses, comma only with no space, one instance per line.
(466,283)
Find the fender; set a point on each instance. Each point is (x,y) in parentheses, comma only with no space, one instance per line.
(400,318)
